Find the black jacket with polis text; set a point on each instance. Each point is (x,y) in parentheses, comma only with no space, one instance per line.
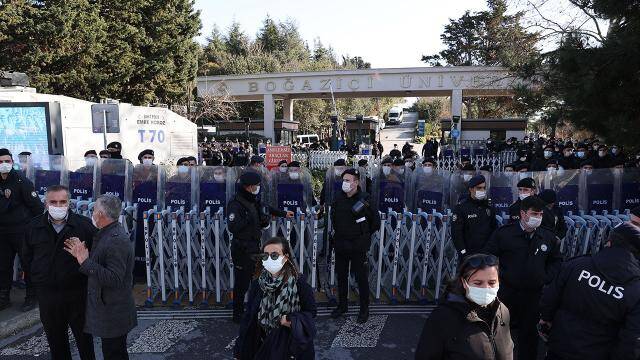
(352,231)
(594,307)
(22,204)
(472,224)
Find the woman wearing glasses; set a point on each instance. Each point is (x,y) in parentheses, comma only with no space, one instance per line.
(471,323)
(279,322)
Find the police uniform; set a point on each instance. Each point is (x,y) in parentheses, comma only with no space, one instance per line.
(19,203)
(594,303)
(352,229)
(527,262)
(245,221)
(473,222)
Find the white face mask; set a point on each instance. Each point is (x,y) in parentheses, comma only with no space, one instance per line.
(467,177)
(93,221)
(481,194)
(294,175)
(522,175)
(547,154)
(386,170)
(5,167)
(401,171)
(551,170)
(523,196)
(218,178)
(273,266)
(182,169)
(408,164)
(523,158)
(601,153)
(534,222)
(90,161)
(283,169)
(427,169)
(256,191)
(346,186)
(482,296)
(58,213)
(580,154)
(147,162)
(337,172)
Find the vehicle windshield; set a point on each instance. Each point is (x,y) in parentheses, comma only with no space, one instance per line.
(393,114)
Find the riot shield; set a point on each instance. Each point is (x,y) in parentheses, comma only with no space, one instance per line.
(390,189)
(430,189)
(216,187)
(294,191)
(82,181)
(628,193)
(48,170)
(180,184)
(458,186)
(332,184)
(465,151)
(502,191)
(597,190)
(145,194)
(115,178)
(567,187)
(447,152)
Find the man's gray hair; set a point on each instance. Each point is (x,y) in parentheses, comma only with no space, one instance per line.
(110,205)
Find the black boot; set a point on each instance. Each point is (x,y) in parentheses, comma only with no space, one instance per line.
(363,315)
(5,300)
(339,311)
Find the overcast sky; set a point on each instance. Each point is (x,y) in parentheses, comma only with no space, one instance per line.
(385,33)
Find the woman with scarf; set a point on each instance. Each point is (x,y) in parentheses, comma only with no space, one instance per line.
(472,323)
(279,322)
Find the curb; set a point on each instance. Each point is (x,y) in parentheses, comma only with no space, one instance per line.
(22,321)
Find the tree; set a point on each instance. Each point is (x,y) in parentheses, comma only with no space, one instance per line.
(56,43)
(486,38)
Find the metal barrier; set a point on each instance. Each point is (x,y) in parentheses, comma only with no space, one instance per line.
(324,159)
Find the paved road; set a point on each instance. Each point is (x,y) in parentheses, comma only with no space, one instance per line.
(391,333)
(399,134)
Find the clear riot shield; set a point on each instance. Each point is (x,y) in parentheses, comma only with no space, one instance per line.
(390,189)
(294,191)
(447,152)
(597,190)
(332,184)
(82,181)
(567,187)
(458,186)
(48,170)
(628,192)
(180,185)
(502,191)
(429,185)
(216,187)
(114,178)
(145,194)
(465,151)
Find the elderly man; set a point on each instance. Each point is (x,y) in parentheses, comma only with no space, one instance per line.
(60,286)
(111,311)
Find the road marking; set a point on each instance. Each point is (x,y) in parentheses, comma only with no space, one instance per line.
(159,337)
(354,335)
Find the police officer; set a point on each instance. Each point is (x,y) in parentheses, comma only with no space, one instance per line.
(529,258)
(18,204)
(557,223)
(246,219)
(90,159)
(115,149)
(146,157)
(354,220)
(474,219)
(591,310)
(526,187)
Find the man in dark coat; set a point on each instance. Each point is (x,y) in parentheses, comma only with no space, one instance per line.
(529,257)
(60,286)
(593,306)
(354,220)
(19,203)
(111,310)
(474,219)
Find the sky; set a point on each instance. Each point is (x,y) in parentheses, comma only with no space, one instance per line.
(385,33)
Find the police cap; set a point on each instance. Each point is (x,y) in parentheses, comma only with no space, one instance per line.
(476,180)
(527,183)
(90,152)
(294,164)
(548,196)
(398,162)
(353,172)
(145,152)
(363,162)
(388,160)
(255,159)
(250,178)
(115,145)
(469,167)
(340,162)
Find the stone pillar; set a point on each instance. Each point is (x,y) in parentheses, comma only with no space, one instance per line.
(287,109)
(269,117)
(456,109)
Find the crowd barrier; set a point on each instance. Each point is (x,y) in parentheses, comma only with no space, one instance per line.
(186,244)
(320,160)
